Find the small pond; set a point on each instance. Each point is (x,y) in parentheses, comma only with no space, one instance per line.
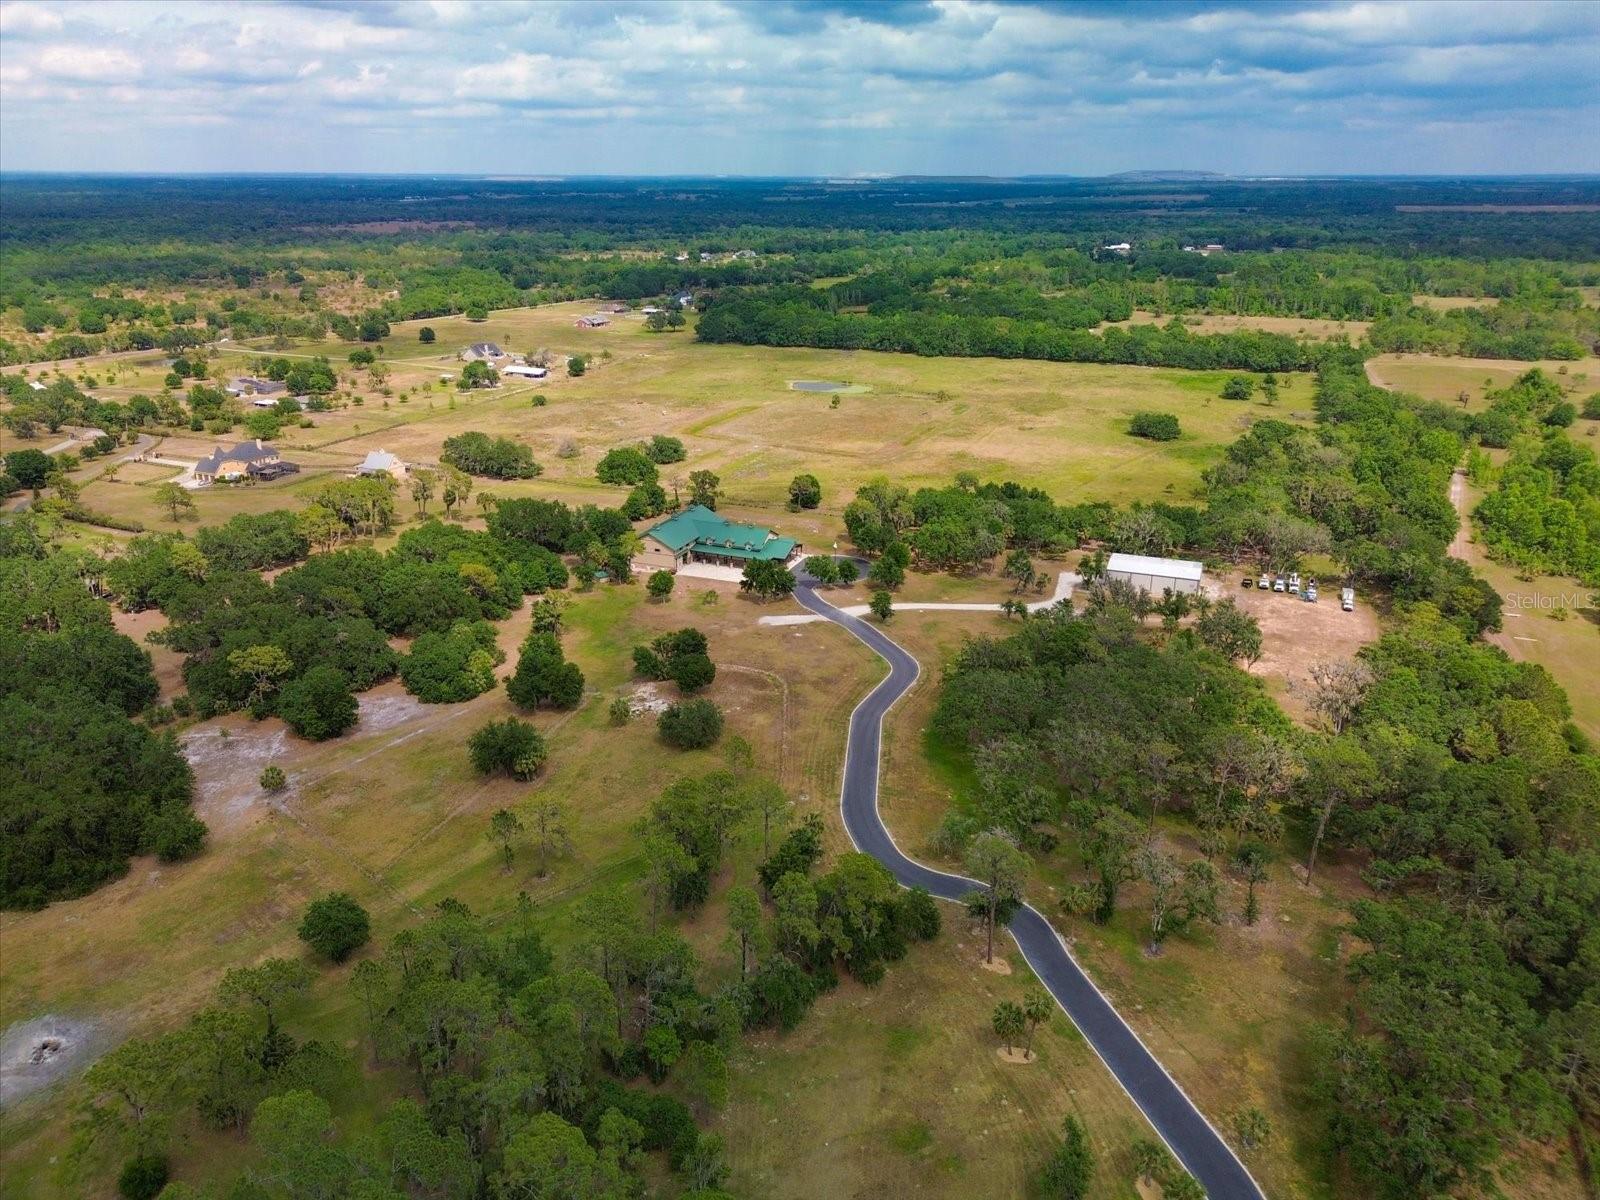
(818,385)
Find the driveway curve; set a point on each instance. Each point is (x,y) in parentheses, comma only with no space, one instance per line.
(1174,1116)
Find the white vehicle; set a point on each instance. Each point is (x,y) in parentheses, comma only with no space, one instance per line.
(1311,593)
(1347,599)
(1277,584)
(1264,582)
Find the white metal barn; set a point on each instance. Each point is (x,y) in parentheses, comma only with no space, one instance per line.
(1155,575)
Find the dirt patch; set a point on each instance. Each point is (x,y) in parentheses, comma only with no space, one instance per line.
(647,700)
(384,709)
(228,758)
(998,965)
(1295,635)
(1016,1054)
(35,1054)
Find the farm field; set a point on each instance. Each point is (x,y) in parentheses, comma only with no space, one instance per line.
(1317,328)
(1062,427)
(1444,378)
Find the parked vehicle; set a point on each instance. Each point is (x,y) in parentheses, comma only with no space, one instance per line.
(1294,581)
(1347,599)
(1311,593)
(1264,582)
(1277,584)
(1247,582)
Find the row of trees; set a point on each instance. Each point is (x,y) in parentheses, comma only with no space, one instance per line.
(797,317)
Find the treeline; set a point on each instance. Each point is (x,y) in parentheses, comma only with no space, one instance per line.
(794,318)
(128,217)
(1567,330)
(83,785)
(1543,512)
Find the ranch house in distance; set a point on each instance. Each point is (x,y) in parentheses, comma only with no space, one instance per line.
(698,535)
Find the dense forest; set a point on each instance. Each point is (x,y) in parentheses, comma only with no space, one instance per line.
(976,267)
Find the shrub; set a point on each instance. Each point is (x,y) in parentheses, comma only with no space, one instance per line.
(804,492)
(498,458)
(510,746)
(626,465)
(690,724)
(544,676)
(918,914)
(176,834)
(143,1177)
(426,336)
(335,926)
(1238,387)
(1070,1169)
(691,672)
(619,711)
(660,584)
(273,780)
(1157,426)
(780,993)
(645,500)
(318,705)
(663,450)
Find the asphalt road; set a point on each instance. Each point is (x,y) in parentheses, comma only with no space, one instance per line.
(1186,1132)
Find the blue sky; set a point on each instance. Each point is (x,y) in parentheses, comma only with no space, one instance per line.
(789,87)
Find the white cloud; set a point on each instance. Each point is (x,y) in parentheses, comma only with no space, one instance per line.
(23,19)
(88,64)
(717,85)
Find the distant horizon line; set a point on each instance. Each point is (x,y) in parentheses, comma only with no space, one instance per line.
(1178,174)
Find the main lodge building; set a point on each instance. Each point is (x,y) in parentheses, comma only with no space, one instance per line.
(698,535)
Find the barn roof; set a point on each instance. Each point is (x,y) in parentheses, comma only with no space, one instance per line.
(1141,564)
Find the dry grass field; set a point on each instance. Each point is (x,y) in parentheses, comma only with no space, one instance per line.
(1301,327)
(1055,425)
(1442,377)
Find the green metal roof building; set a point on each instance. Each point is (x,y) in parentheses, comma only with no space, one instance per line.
(699,535)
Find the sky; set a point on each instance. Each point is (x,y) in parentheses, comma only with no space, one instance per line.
(787,87)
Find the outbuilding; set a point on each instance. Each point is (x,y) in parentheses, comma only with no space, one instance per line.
(1156,575)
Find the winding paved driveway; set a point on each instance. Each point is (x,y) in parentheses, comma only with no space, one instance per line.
(1186,1132)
